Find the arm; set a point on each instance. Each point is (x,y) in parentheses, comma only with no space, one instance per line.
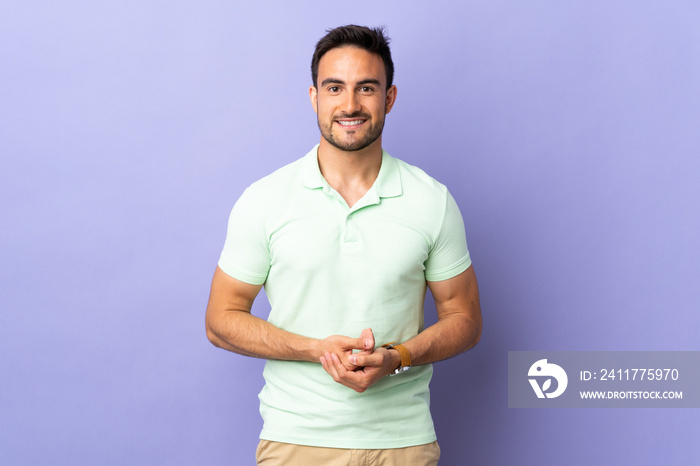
(231,326)
(459,320)
(458,328)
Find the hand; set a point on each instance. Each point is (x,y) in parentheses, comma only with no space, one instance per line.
(343,347)
(375,366)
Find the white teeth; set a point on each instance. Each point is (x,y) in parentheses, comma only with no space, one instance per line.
(350,123)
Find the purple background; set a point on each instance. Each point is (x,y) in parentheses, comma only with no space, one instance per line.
(568,132)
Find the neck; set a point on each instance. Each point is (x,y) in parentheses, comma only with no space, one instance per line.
(351,174)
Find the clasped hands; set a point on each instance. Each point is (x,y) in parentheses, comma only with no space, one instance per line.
(360,370)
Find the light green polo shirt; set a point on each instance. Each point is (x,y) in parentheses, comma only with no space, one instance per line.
(329,269)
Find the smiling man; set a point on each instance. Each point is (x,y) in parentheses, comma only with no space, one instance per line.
(354,120)
(346,240)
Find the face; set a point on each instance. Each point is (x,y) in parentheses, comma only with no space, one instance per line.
(351,100)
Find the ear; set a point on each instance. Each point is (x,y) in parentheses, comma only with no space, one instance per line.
(390,98)
(313,95)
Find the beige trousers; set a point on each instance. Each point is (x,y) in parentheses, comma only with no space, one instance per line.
(285,454)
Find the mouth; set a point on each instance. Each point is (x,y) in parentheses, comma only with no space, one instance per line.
(351,123)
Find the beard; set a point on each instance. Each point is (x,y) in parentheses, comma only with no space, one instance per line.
(350,141)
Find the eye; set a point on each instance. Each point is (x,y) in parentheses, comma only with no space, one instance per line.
(334,89)
(367,89)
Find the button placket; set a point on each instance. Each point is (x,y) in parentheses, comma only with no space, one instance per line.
(350,229)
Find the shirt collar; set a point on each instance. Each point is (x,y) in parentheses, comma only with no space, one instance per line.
(387,184)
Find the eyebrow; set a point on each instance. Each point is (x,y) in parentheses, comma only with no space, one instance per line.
(359,83)
(369,81)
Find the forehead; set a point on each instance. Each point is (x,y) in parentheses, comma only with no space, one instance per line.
(351,64)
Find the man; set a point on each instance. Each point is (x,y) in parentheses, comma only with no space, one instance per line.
(346,240)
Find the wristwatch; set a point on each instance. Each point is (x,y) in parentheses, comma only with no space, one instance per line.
(405,357)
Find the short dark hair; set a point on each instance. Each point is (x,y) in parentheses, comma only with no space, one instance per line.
(373,40)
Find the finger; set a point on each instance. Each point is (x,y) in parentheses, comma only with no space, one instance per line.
(337,365)
(363,359)
(328,366)
(351,379)
(356,377)
(324,363)
(358,380)
(366,340)
(370,337)
(343,360)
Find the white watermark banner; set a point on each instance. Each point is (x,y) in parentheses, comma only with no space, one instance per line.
(604,379)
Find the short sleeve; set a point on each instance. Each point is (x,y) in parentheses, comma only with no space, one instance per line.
(246,254)
(449,255)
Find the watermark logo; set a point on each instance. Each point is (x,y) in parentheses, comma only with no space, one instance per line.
(604,379)
(542,370)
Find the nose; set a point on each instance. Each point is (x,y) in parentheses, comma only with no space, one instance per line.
(351,104)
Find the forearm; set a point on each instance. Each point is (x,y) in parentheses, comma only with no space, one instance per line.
(231,326)
(446,338)
(243,333)
(459,320)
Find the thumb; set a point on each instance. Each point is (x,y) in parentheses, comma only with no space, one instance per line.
(366,340)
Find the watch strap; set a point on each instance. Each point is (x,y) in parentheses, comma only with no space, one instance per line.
(405,357)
